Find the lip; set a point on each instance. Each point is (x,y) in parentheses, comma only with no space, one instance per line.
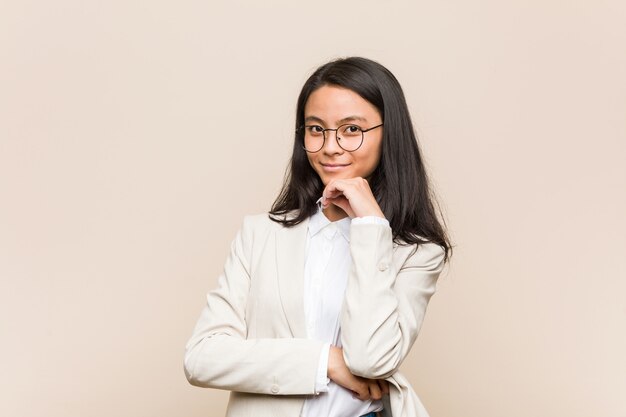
(333,167)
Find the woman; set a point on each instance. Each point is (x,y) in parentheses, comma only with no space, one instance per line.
(321,300)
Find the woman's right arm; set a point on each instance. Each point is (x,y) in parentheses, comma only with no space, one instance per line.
(363,388)
(218,355)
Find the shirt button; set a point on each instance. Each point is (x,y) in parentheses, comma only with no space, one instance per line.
(383,266)
(275,389)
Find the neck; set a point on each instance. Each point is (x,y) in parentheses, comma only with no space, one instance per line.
(334,213)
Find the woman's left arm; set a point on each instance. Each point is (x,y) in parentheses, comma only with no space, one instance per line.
(385,300)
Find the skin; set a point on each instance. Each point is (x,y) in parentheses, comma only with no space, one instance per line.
(346,191)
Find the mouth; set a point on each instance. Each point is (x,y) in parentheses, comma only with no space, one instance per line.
(333,167)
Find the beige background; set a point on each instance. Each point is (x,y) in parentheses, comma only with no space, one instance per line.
(134,135)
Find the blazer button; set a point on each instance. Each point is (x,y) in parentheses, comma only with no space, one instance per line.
(275,389)
(383,266)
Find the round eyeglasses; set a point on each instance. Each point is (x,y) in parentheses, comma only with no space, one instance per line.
(349,137)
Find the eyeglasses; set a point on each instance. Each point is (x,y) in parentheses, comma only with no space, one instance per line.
(349,137)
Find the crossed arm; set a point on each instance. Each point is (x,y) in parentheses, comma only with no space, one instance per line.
(384,306)
(385,303)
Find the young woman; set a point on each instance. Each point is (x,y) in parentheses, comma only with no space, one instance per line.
(321,299)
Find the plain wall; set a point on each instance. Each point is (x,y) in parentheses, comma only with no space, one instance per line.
(135,135)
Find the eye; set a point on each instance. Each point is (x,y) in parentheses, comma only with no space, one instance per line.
(351,130)
(314,130)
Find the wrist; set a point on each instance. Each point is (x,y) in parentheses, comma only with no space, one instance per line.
(335,356)
(372,212)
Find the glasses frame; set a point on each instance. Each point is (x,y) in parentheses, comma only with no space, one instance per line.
(337,138)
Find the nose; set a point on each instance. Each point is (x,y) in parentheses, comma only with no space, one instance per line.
(331,143)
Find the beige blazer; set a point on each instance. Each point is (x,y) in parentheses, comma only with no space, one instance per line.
(251,336)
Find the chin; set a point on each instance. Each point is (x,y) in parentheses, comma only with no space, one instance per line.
(326,178)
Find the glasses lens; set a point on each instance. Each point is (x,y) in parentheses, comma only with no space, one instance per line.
(313,138)
(350,137)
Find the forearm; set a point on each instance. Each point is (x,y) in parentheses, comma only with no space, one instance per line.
(385,301)
(265,366)
(371,334)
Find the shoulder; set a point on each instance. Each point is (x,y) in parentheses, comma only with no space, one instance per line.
(428,256)
(255,224)
(256,220)
(255,233)
(262,221)
(256,227)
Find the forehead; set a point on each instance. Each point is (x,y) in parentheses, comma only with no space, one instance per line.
(331,103)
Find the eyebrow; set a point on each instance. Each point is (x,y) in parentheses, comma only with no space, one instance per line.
(344,120)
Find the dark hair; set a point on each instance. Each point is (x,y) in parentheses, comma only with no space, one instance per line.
(399,182)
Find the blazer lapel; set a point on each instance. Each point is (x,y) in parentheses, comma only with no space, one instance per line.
(290,246)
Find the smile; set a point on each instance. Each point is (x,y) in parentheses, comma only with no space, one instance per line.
(334,167)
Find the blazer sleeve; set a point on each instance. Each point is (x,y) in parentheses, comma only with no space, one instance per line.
(219,355)
(385,303)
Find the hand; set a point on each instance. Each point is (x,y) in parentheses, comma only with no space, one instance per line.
(353,196)
(362,388)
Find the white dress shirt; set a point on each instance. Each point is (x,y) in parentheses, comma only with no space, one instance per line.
(327,263)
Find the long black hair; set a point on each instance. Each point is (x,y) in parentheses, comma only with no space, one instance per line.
(399,182)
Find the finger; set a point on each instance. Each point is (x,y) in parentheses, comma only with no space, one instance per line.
(375,391)
(362,391)
(384,386)
(335,187)
(343,203)
(330,187)
(332,193)
(353,187)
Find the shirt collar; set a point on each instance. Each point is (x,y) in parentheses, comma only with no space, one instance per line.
(319,221)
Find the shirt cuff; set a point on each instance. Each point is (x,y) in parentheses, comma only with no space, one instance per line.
(370,220)
(321,381)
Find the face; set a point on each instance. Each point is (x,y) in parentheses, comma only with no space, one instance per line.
(332,106)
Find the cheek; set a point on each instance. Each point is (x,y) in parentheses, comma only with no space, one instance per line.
(313,163)
(372,164)
(371,159)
